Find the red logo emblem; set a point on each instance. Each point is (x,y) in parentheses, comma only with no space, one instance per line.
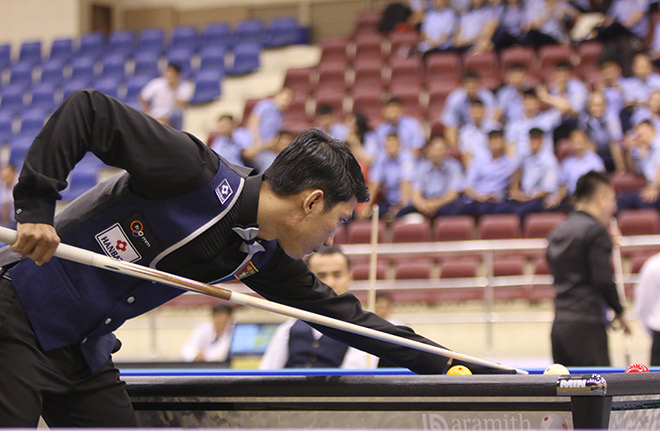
(121,245)
(246,270)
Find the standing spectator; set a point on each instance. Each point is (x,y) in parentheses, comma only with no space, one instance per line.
(510,95)
(644,152)
(581,160)
(603,128)
(647,303)
(438,28)
(535,179)
(230,141)
(436,182)
(544,22)
(210,341)
(326,120)
(164,98)
(409,130)
(390,175)
(509,30)
(488,179)
(457,107)
(473,136)
(265,120)
(579,254)
(8,179)
(260,158)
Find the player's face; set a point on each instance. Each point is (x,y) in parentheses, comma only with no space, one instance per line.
(332,269)
(315,228)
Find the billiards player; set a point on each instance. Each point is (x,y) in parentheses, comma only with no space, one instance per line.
(178,207)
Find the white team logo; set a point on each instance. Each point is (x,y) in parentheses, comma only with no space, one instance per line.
(224,191)
(115,244)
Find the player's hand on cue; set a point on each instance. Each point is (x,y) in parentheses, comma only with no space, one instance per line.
(37,241)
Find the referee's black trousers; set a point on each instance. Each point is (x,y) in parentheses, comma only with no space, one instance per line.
(57,385)
(580,344)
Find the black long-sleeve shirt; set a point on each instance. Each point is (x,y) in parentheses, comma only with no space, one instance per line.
(579,254)
(163,163)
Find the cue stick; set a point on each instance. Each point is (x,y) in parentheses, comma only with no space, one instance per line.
(620,287)
(373,262)
(101,261)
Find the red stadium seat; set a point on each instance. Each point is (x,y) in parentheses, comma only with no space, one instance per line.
(519,55)
(330,96)
(406,70)
(334,49)
(359,232)
(637,262)
(368,72)
(368,45)
(411,232)
(639,222)
(409,95)
(486,66)
(420,269)
(360,271)
(249,104)
(539,225)
(627,182)
(402,43)
(508,266)
(438,93)
(332,74)
(368,100)
(367,22)
(459,268)
(340,235)
(550,55)
(437,128)
(454,228)
(589,54)
(541,292)
(499,226)
(298,80)
(444,67)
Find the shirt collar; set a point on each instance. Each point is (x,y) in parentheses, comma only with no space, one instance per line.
(246,226)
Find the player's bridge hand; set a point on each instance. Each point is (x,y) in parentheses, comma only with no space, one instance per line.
(37,241)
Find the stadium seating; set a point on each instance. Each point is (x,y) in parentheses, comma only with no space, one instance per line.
(5,56)
(250,32)
(52,72)
(281,32)
(539,225)
(359,232)
(151,40)
(246,58)
(639,222)
(121,42)
(43,97)
(207,86)
(218,34)
(20,74)
(185,38)
(30,52)
(499,226)
(91,45)
(61,50)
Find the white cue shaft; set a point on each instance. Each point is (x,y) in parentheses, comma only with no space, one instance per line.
(90,258)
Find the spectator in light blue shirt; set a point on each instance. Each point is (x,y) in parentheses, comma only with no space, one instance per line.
(230,141)
(509,30)
(637,88)
(645,155)
(473,136)
(437,181)
(438,28)
(510,95)
(535,179)
(488,179)
(625,17)
(390,174)
(564,84)
(611,85)
(581,161)
(604,129)
(326,120)
(457,106)
(262,157)
(650,112)
(409,130)
(476,27)
(544,22)
(265,120)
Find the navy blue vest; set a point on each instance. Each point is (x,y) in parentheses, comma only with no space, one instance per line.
(69,303)
(307,352)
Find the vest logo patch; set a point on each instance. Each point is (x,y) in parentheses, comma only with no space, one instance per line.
(246,270)
(140,235)
(116,244)
(224,191)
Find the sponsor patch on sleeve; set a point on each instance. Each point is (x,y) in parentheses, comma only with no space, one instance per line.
(116,244)
(224,191)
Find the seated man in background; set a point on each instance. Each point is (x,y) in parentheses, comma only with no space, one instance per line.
(326,120)
(295,344)
(644,152)
(261,157)
(210,341)
(230,141)
(265,119)
(473,136)
(164,98)
(408,129)
(436,182)
(604,129)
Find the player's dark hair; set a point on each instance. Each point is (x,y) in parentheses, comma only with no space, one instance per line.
(588,183)
(328,251)
(316,160)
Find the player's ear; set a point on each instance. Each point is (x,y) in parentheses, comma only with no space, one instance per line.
(313,199)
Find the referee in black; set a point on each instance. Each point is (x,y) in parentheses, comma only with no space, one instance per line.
(579,254)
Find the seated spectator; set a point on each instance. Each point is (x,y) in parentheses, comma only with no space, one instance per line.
(460,6)
(611,85)
(564,85)
(473,136)
(509,31)
(517,132)
(8,179)
(535,179)
(362,140)
(295,344)
(211,340)
(637,88)
(265,120)
(390,176)
(581,161)
(488,179)
(649,112)
(438,28)
(476,28)
(603,128)
(326,120)
(409,130)
(625,18)
(230,141)
(165,97)
(436,182)
(544,22)
(510,95)
(260,158)
(654,48)
(457,106)
(644,146)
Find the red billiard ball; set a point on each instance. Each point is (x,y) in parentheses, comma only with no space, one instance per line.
(637,368)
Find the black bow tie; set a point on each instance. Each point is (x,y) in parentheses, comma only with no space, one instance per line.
(249,235)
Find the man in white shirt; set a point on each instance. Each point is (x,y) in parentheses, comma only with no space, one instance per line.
(647,303)
(8,179)
(211,340)
(297,345)
(165,97)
